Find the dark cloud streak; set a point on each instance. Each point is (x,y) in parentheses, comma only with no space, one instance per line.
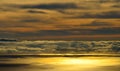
(52,6)
(97,23)
(103,15)
(100,31)
(33,11)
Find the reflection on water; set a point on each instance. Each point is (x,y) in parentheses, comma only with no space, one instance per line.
(61,64)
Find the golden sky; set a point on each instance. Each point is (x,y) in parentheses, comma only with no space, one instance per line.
(60,19)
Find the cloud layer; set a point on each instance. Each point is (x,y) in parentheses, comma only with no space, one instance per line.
(37,47)
(49,19)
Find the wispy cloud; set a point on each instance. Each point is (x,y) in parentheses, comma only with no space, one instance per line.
(104,15)
(59,18)
(52,6)
(97,23)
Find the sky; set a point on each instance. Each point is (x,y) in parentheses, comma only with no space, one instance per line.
(60,19)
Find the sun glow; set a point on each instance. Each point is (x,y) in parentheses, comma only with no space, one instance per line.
(78,61)
(89,62)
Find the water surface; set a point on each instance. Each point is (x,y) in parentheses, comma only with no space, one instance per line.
(60,64)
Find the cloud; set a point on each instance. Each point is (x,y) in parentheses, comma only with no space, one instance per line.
(110,14)
(46,33)
(98,23)
(37,47)
(116,6)
(36,20)
(60,6)
(58,19)
(103,15)
(114,30)
(34,11)
(70,32)
(30,20)
(52,6)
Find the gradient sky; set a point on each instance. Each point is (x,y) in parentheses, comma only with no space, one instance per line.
(60,19)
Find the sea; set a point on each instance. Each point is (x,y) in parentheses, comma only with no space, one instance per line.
(60,56)
(60,64)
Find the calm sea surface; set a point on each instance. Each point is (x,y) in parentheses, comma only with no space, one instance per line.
(60,64)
